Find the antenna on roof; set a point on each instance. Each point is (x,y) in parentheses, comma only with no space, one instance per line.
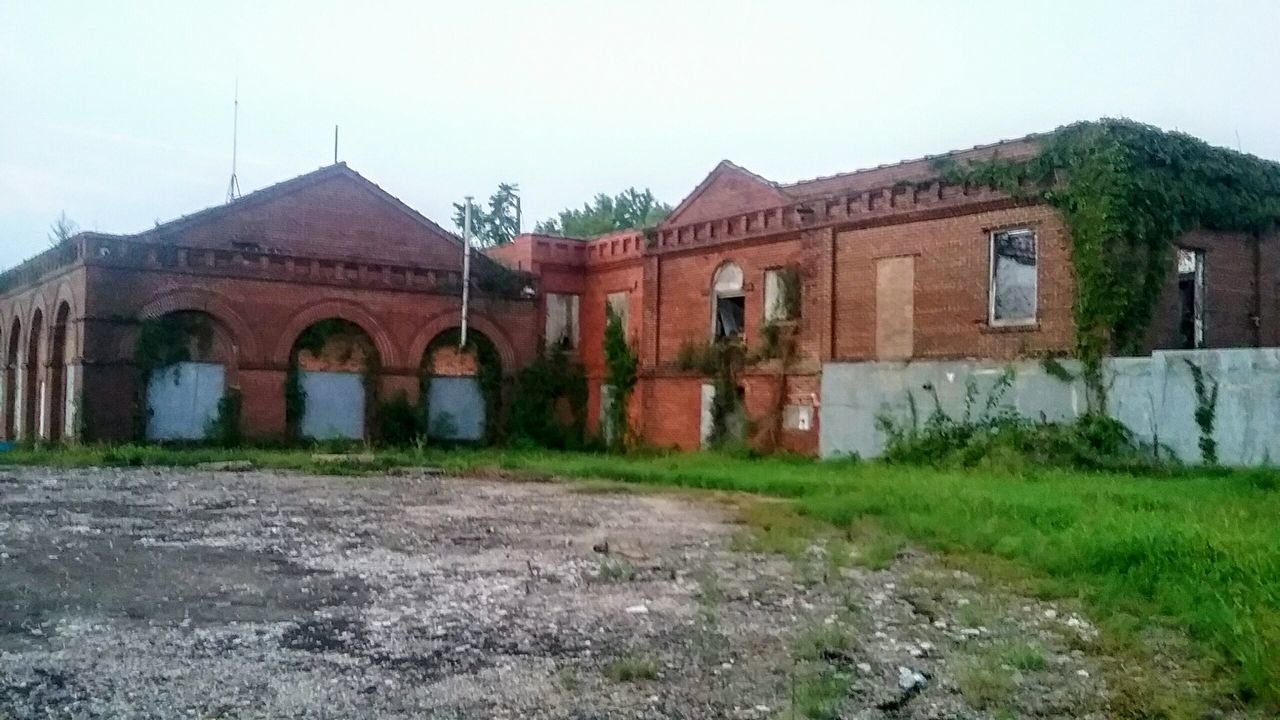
(233,188)
(335,144)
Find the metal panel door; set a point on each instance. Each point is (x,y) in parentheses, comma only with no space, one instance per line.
(455,409)
(334,405)
(182,400)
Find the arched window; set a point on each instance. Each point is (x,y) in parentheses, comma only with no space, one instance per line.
(728,303)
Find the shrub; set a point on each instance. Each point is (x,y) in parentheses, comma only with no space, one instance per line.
(399,422)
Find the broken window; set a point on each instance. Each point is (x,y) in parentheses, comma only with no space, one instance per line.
(1012,289)
(781,294)
(1190,299)
(729,304)
(562,321)
(617,302)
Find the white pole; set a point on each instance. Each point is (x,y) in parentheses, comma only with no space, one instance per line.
(466,270)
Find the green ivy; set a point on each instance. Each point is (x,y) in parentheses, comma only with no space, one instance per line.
(1206,412)
(620,374)
(539,389)
(224,429)
(1127,192)
(163,342)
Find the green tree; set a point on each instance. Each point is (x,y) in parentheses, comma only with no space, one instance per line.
(627,210)
(62,229)
(497,224)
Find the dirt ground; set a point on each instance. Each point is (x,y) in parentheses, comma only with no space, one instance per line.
(165,593)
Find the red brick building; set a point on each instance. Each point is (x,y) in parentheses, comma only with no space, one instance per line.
(325,246)
(886,263)
(893,263)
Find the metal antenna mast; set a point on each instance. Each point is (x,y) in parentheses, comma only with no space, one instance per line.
(233,188)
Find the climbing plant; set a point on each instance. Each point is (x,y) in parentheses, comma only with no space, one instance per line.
(721,361)
(161,343)
(620,374)
(488,376)
(549,402)
(1127,192)
(1206,411)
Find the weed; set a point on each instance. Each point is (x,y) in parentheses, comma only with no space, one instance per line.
(1028,657)
(631,668)
(983,683)
(817,692)
(615,570)
(826,642)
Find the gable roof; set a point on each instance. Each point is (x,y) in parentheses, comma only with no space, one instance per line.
(725,169)
(165,230)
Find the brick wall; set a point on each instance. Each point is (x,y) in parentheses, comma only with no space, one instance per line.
(1231,286)
(952,265)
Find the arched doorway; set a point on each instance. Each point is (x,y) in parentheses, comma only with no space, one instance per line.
(460,386)
(185,358)
(58,395)
(31,389)
(12,391)
(331,388)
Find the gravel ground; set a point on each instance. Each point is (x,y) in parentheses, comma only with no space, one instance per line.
(175,593)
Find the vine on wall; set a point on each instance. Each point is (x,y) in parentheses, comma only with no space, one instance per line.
(1127,192)
(549,402)
(1206,411)
(620,374)
(162,343)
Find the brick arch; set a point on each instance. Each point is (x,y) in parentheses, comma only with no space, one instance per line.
(37,305)
(211,303)
(343,310)
(447,319)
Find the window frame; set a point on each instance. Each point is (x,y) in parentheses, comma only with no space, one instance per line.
(717,296)
(1034,318)
(573,322)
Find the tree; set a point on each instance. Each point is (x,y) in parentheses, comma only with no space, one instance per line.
(629,209)
(62,230)
(499,223)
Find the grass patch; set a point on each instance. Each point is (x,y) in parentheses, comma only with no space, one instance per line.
(983,683)
(631,668)
(1027,657)
(1197,550)
(825,642)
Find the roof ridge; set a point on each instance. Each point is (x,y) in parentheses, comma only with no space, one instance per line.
(950,153)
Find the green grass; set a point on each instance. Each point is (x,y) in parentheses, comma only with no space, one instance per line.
(631,668)
(1195,550)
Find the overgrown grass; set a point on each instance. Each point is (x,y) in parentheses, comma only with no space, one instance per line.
(1196,550)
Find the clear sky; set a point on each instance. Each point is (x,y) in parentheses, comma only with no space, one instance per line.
(119,113)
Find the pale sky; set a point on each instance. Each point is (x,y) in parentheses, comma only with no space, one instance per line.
(120,113)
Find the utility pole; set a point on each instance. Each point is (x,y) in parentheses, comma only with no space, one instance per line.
(466,270)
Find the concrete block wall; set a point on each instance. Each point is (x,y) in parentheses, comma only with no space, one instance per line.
(1153,396)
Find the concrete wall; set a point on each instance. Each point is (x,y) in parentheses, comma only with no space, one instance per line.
(1153,396)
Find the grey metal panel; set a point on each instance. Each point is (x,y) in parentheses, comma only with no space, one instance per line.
(334,406)
(455,408)
(182,400)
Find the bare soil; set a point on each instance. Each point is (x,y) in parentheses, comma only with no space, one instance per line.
(177,593)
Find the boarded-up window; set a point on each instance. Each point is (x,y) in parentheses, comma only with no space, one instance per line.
(1013,277)
(895,308)
(562,321)
(781,294)
(618,303)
